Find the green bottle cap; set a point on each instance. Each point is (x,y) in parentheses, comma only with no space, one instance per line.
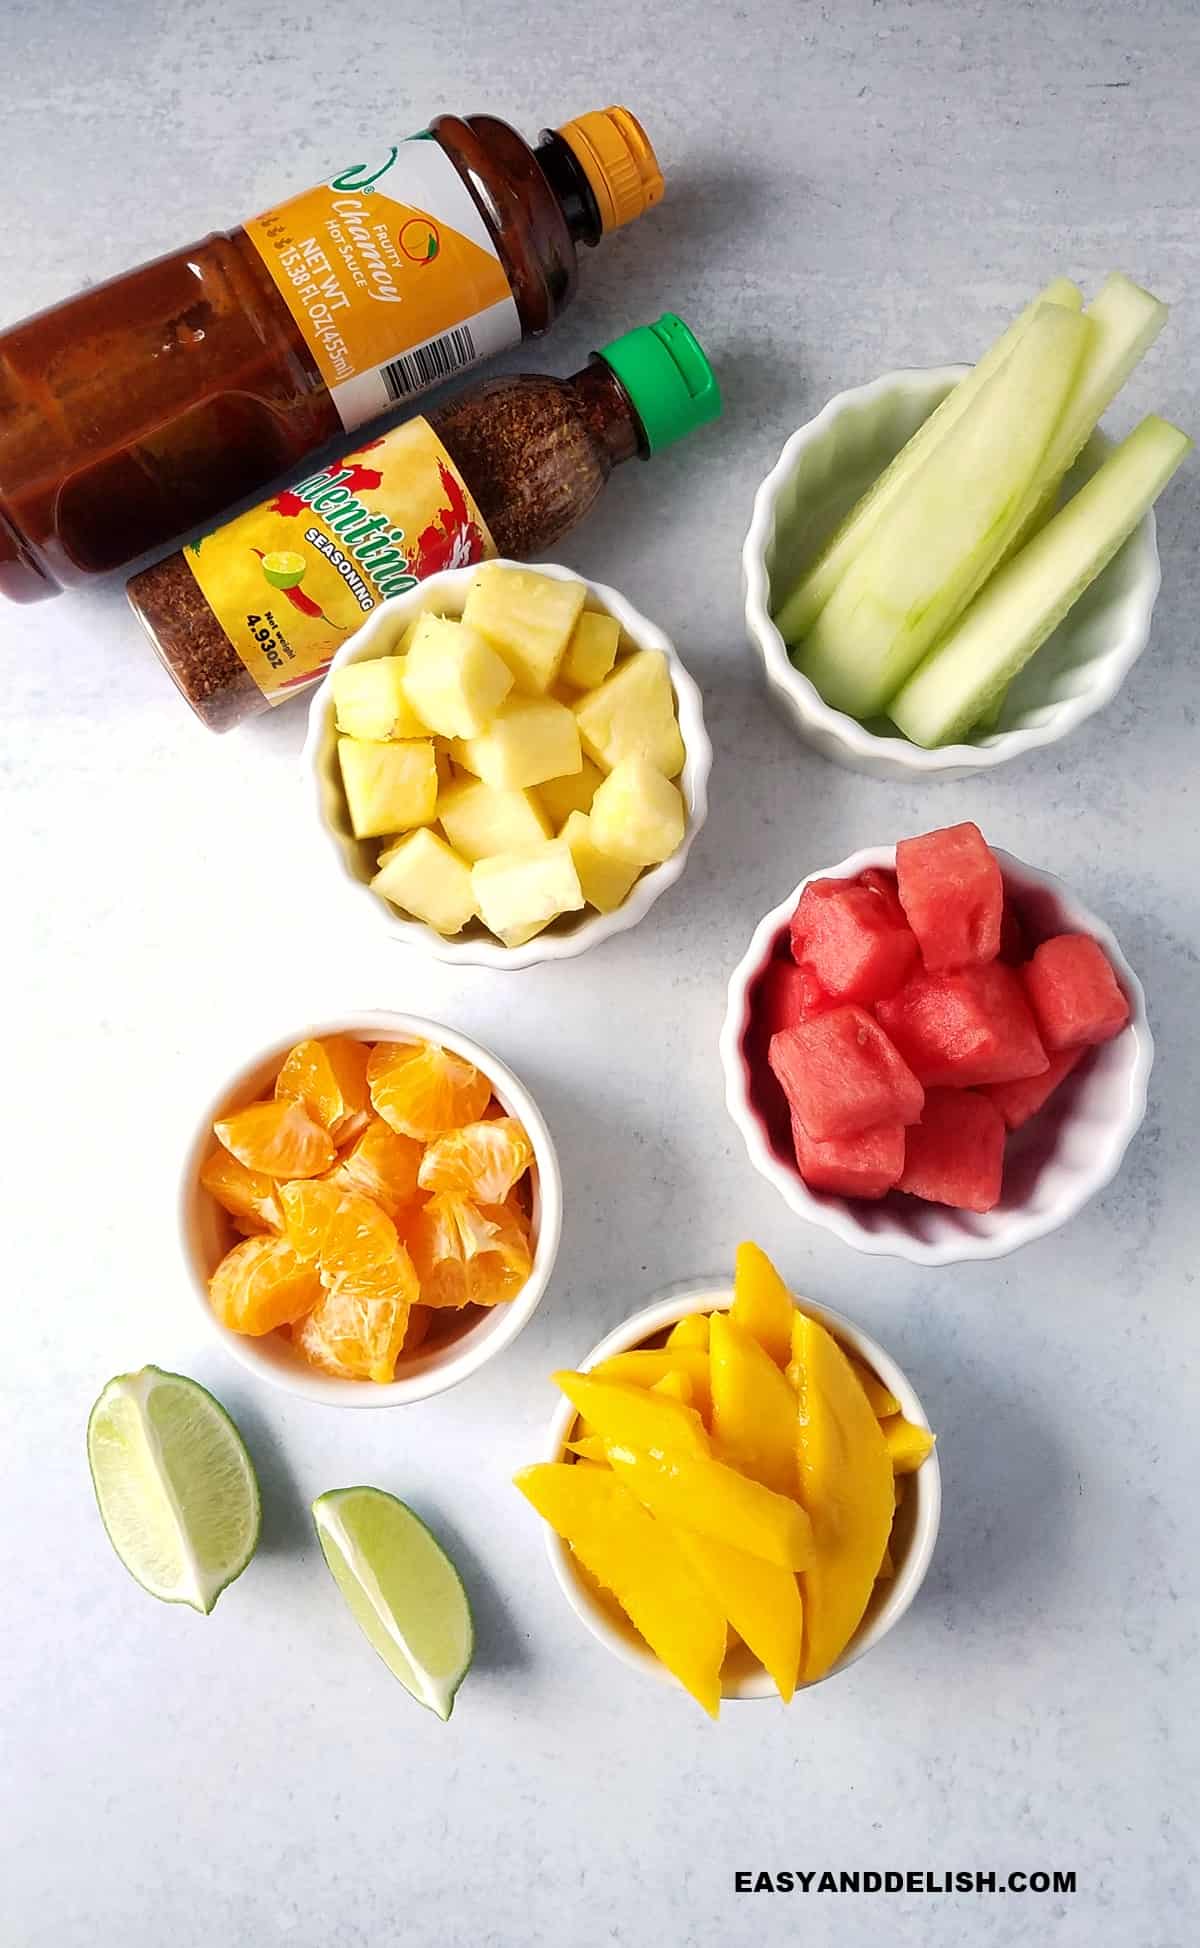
(669,380)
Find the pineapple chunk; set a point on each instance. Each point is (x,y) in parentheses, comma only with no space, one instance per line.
(637,814)
(605,881)
(562,796)
(530,740)
(453,679)
(428,879)
(478,820)
(519,893)
(632,715)
(389,787)
(370,701)
(528,618)
(592,650)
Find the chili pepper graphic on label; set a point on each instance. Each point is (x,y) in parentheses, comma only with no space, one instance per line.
(452,539)
(299,600)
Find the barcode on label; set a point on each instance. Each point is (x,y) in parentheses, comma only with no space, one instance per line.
(429,363)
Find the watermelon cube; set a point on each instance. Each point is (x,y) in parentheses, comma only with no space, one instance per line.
(952,895)
(955,1154)
(959,1030)
(1018,1101)
(1074,992)
(854,938)
(865,1165)
(787,994)
(841,1074)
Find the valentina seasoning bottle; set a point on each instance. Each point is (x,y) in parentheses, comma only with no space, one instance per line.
(252,614)
(146,405)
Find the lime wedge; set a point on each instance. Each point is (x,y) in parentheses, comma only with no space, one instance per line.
(177,1490)
(402,1588)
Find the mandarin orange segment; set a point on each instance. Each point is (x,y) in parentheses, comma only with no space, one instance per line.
(358,1329)
(481,1161)
(261,1285)
(329,1079)
(246,1194)
(358,1238)
(422,1090)
(381,1164)
(308,1208)
(468,1254)
(278,1138)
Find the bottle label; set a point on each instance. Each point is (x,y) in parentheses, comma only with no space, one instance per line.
(391,276)
(290,580)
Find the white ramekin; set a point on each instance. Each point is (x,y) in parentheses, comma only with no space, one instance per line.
(206,1231)
(355,859)
(1059,1160)
(822,471)
(913,1536)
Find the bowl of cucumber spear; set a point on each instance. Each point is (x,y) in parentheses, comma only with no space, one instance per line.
(949,568)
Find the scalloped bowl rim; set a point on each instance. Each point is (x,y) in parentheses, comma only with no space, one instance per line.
(547,946)
(443,1367)
(805,701)
(837,1214)
(716,1294)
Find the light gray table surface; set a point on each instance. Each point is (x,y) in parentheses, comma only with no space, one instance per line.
(851,187)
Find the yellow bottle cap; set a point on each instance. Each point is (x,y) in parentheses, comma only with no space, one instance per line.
(618,161)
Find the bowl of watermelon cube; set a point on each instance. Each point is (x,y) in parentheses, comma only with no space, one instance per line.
(935,1051)
(510,765)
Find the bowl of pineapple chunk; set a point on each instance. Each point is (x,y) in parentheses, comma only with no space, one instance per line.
(510,763)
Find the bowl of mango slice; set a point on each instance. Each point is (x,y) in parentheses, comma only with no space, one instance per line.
(741,1490)
(510,764)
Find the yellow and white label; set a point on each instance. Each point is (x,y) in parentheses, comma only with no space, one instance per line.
(391,276)
(290,580)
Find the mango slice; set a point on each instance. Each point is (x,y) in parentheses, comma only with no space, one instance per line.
(692,1331)
(674,1386)
(907,1445)
(634,1416)
(762,1304)
(632,1555)
(692,1491)
(645,1365)
(754,1408)
(589,1447)
(883,1400)
(845,1484)
(760,1600)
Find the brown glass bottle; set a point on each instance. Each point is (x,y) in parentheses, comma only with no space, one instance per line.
(144,406)
(532,452)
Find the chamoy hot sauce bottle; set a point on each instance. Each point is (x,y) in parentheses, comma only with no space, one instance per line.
(147,404)
(253,613)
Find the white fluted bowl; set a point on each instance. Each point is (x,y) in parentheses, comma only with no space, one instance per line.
(821,473)
(206,1232)
(354,859)
(913,1536)
(1052,1166)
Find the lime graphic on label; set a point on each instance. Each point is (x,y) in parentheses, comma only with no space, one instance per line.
(419,240)
(283,568)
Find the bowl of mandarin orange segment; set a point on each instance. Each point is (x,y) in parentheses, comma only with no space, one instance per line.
(740,1488)
(370,1210)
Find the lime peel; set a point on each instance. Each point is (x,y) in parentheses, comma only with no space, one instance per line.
(401,1588)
